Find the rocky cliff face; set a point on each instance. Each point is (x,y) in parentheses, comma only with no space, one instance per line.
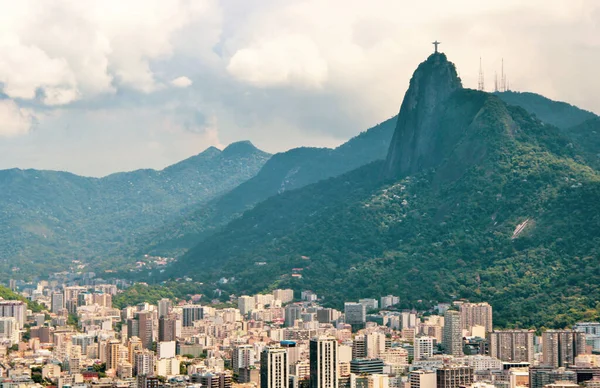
(416,144)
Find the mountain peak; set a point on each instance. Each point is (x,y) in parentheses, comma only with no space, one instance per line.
(430,86)
(240,147)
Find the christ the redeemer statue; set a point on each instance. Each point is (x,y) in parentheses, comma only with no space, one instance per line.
(436,44)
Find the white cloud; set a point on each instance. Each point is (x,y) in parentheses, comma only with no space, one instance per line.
(284,60)
(181,82)
(72,49)
(14,121)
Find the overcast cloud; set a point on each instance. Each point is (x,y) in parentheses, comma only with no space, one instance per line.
(95,87)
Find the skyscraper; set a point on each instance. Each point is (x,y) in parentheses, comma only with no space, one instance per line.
(476,314)
(452,333)
(164,307)
(15,309)
(141,326)
(512,345)
(112,354)
(454,376)
(246,304)
(560,347)
(292,313)
(356,315)
(57,302)
(167,328)
(323,362)
(191,314)
(274,367)
(423,347)
(242,357)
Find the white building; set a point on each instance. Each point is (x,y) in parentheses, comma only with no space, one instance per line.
(423,347)
(246,304)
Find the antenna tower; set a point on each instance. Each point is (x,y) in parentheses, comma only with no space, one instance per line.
(496,81)
(481,82)
(503,79)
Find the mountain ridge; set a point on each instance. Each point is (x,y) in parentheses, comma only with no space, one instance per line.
(446,230)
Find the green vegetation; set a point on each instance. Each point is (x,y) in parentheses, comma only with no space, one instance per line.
(559,114)
(8,294)
(443,233)
(283,172)
(142,292)
(48,219)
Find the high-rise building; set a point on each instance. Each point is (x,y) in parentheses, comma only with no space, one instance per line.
(370,304)
(366,366)
(134,346)
(112,354)
(274,367)
(246,304)
(454,376)
(213,380)
(167,328)
(293,312)
(9,330)
(423,347)
(141,326)
(15,309)
(285,296)
(355,314)
(476,314)
(57,302)
(389,300)
(422,379)
(540,376)
(512,345)
(560,347)
(243,356)
(164,307)
(191,313)
(323,362)
(452,333)
(143,363)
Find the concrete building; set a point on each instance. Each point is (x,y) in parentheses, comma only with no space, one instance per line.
(324,362)
(560,347)
(476,314)
(541,376)
(9,331)
(274,367)
(366,366)
(193,312)
(57,302)
(355,315)
(370,304)
(14,309)
(246,304)
(164,307)
(423,347)
(243,356)
(285,296)
(454,376)
(452,341)
(389,300)
(512,345)
(293,312)
(423,379)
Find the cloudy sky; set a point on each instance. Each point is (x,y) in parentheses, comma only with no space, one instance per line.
(98,86)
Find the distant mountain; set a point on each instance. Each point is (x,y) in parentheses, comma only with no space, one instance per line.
(476,199)
(557,113)
(49,218)
(283,172)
